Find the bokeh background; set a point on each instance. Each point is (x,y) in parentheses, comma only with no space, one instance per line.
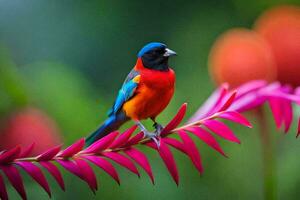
(62,62)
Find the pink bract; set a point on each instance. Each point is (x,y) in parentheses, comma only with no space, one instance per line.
(125,149)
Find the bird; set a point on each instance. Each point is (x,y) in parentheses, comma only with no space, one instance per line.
(145,93)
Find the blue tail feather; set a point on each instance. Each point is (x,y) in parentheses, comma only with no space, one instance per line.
(111,124)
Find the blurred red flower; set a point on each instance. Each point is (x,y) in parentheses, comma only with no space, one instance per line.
(29,126)
(280,26)
(241,55)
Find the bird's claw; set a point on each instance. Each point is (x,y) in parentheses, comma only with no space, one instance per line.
(156,141)
(153,136)
(158,128)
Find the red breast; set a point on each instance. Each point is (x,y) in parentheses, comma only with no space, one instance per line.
(155,79)
(154,92)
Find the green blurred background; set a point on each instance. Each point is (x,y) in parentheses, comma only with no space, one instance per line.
(69,58)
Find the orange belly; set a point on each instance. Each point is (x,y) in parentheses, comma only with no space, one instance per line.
(148,103)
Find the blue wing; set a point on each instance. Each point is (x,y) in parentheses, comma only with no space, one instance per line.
(126,92)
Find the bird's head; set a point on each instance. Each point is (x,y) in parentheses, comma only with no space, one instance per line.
(155,56)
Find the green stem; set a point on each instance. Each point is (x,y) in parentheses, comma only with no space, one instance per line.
(268,157)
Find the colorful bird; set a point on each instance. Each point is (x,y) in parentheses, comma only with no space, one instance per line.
(145,93)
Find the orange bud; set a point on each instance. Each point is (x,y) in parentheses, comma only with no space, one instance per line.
(240,55)
(280,26)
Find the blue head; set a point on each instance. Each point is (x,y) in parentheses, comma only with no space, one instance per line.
(155,56)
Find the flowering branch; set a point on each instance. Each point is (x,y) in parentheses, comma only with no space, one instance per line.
(252,95)
(122,148)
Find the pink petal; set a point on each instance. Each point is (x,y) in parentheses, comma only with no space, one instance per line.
(222,130)
(74,168)
(122,160)
(101,144)
(206,137)
(36,174)
(141,159)
(151,144)
(228,102)
(251,86)
(135,139)
(175,121)
(297,91)
(255,98)
(105,165)
(270,88)
(87,173)
(248,102)
(169,161)
(27,151)
(8,156)
(211,103)
(235,117)
(123,138)
(53,170)
(3,192)
(192,150)
(73,149)
(49,154)
(288,114)
(71,167)
(176,144)
(275,105)
(280,91)
(15,179)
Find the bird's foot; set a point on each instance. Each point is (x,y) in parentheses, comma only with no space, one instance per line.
(153,136)
(158,128)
